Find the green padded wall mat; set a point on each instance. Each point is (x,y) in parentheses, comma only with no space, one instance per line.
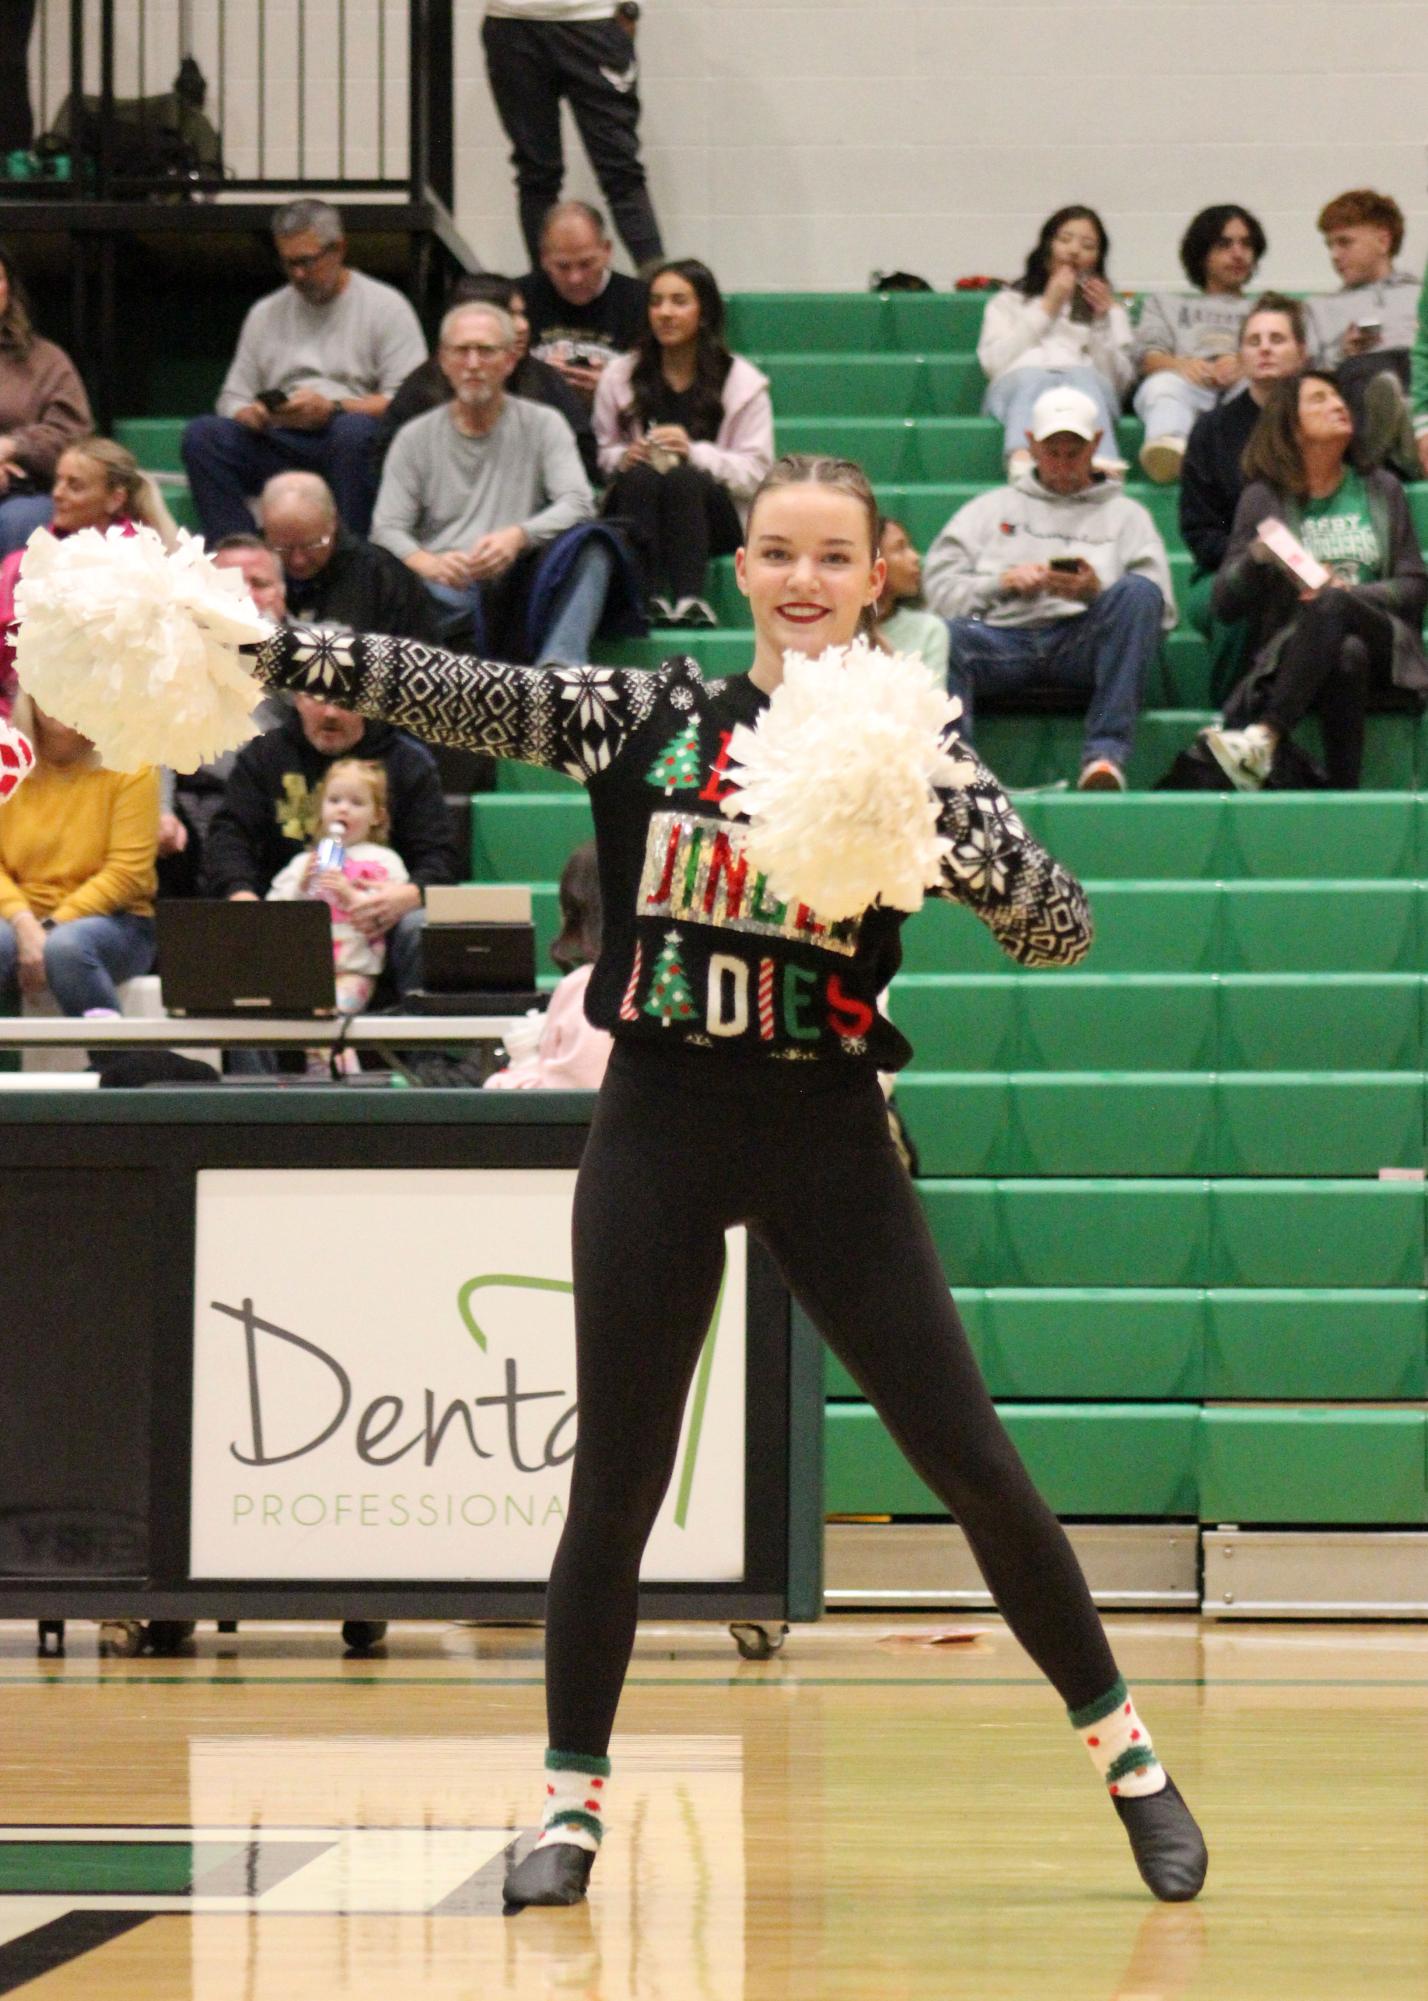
(1312,1466)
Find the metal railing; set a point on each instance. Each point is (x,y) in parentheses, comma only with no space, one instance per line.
(139,98)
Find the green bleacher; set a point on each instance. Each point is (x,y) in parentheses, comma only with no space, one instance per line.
(1155,1180)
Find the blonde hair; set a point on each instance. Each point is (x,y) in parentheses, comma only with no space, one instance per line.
(375,776)
(844,476)
(142,499)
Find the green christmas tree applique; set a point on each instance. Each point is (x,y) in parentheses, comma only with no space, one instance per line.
(677,766)
(670,998)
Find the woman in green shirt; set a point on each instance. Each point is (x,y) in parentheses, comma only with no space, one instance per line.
(1328,651)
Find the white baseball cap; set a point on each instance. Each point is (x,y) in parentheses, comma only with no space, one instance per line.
(1065,410)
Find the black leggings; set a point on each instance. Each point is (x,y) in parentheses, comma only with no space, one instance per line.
(683,1146)
(676,520)
(1339,648)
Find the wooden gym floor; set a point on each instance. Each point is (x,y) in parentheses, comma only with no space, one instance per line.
(871,1814)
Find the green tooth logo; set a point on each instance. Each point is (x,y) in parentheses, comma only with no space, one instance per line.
(701,1382)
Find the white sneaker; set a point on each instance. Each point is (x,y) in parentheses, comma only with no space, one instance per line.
(1244,756)
(1160,459)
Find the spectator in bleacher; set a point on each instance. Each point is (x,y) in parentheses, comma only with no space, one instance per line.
(1187,345)
(486,500)
(1059,326)
(1272,345)
(903,625)
(1330,650)
(316,364)
(269,814)
(97,484)
(685,434)
(1364,332)
(426,387)
(1058,580)
(77,846)
(191,798)
(582,313)
(569,1053)
(539,52)
(333,577)
(43,408)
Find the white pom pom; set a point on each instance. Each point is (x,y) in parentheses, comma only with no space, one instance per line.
(836,779)
(136,647)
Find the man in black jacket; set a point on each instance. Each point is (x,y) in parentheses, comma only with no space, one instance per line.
(334,577)
(268,816)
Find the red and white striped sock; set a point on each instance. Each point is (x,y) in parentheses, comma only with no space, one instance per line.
(1119,1744)
(575,1788)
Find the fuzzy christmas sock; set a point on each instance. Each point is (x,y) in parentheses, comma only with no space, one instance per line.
(1119,1744)
(575,1788)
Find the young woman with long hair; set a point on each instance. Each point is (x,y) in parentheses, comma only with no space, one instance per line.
(684,430)
(1060,325)
(743,1089)
(43,408)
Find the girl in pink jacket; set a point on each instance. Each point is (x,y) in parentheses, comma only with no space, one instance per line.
(571,1053)
(684,431)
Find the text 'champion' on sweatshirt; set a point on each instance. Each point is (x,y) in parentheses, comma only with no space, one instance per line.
(1025,522)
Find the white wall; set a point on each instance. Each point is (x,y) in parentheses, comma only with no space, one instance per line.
(801,145)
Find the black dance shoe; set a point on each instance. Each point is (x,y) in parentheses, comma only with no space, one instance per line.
(555,1874)
(1168,1847)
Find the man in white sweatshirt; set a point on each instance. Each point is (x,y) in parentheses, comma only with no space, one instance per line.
(1058,580)
(540,51)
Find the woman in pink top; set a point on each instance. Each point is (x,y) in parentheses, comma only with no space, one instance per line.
(572,1053)
(684,431)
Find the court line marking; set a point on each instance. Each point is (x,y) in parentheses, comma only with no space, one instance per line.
(777,1677)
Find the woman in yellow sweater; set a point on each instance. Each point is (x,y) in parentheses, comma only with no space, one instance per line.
(77,848)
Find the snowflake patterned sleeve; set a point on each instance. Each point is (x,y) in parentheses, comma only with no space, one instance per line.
(1035,909)
(571,719)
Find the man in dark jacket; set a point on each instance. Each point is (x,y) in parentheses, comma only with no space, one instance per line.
(268,816)
(334,577)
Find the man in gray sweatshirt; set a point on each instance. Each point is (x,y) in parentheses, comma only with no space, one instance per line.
(480,498)
(1058,580)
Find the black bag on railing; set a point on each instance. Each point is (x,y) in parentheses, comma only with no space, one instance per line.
(163,138)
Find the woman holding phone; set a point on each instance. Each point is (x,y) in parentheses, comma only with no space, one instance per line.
(1325,650)
(742,1088)
(1059,326)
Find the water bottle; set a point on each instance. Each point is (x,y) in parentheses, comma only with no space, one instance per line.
(331,854)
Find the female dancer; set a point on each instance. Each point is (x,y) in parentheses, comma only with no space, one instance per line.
(743,1089)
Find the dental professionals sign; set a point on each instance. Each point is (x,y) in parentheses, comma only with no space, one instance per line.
(384,1383)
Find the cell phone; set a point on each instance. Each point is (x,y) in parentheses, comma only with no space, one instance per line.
(271,399)
(1370,330)
(1066,566)
(1080,309)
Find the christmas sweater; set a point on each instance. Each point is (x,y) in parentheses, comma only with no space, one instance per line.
(697,951)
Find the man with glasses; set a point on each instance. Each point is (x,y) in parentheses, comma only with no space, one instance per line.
(486,500)
(334,577)
(317,363)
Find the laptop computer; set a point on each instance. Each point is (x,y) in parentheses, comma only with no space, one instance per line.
(250,961)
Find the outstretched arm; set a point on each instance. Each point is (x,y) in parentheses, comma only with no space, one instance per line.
(1035,909)
(571,719)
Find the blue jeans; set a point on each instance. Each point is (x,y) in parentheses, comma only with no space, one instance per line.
(1011,397)
(570,635)
(1104,651)
(86,959)
(1168,405)
(20,515)
(227,463)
